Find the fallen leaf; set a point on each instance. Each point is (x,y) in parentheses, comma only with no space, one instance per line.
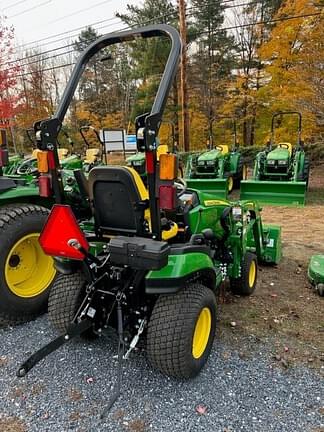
(201,409)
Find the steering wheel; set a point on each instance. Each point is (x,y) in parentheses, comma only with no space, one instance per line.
(27,167)
(283,145)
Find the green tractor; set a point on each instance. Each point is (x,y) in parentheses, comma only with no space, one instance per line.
(148,265)
(137,160)
(26,273)
(316,273)
(220,169)
(281,172)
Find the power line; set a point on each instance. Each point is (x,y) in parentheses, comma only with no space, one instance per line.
(30,9)
(275,20)
(66,32)
(79,11)
(15,4)
(99,28)
(102,21)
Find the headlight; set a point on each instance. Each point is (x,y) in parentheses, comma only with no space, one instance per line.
(210,163)
(201,163)
(271,161)
(282,162)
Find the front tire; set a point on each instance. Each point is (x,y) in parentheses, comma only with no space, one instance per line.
(246,284)
(26,273)
(181,331)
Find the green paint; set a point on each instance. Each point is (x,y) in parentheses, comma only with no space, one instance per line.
(182,265)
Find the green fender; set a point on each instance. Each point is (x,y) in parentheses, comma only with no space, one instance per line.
(19,192)
(181,269)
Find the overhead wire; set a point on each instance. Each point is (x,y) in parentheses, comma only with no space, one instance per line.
(30,9)
(274,20)
(99,28)
(13,5)
(99,22)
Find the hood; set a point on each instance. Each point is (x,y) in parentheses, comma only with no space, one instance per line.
(278,154)
(210,155)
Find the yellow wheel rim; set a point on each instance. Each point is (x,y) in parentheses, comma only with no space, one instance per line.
(252,274)
(230,184)
(28,271)
(202,332)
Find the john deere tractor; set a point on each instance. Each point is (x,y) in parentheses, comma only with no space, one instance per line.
(220,169)
(26,273)
(281,171)
(148,265)
(316,273)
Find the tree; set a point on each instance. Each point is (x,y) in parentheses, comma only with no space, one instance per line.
(213,60)
(8,71)
(294,56)
(150,56)
(249,37)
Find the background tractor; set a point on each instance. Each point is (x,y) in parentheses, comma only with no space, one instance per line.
(149,264)
(137,160)
(281,172)
(220,169)
(26,273)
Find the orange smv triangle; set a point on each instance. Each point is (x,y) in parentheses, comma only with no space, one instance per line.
(60,232)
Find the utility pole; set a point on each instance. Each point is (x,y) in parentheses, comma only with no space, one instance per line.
(183,75)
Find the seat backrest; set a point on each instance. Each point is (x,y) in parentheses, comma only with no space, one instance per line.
(224,149)
(92,155)
(119,200)
(62,153)
(34,153)
(287,146)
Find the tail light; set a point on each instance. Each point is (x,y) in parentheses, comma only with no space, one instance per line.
(44,186)
(168,167)
(42,163)
(62,236)
(168,196)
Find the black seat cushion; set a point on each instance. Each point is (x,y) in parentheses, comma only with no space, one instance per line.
(116,201)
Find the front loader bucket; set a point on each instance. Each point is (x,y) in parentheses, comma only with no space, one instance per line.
(274,192)
(217,187)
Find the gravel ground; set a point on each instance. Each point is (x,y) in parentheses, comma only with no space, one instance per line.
(68,391)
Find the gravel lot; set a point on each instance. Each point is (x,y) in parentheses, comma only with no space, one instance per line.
(68,391)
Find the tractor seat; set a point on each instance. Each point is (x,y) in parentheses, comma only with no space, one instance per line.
(162,149)
(225,149)
(120,203)
(34,153)
(92,155)
(287,146)
(62,153)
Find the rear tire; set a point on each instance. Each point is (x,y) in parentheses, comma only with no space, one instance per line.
(245,285)
(65,298)
(26,273)
(181,331)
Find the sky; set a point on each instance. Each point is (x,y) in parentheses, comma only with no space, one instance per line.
(35,20)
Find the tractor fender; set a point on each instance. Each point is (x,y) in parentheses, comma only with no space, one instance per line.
(181,269)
